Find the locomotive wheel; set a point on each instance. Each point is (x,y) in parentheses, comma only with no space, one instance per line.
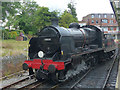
(37,75)
(54,78)
(89,64)
(31,71)
(73,65)
(57,77)
(61,75)
(94,62)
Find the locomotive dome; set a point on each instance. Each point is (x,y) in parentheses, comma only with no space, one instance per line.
(74,25)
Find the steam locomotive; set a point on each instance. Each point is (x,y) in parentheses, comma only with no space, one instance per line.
(57,52)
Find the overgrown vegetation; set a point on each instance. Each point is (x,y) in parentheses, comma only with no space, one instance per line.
(13,47)
(11,68)
(7,34)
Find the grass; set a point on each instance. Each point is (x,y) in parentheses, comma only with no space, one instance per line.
(13,47)
(11,68)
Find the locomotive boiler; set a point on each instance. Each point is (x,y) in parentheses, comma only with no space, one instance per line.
(56,51)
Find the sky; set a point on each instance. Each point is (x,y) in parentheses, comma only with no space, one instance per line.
(83,7)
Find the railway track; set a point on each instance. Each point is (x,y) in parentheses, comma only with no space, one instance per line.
(11,75)
(32,85)
(105,85)
(71,84)
(17,82)
(81,78)
(73,80)
(39,85)
(46,85)
(98,78)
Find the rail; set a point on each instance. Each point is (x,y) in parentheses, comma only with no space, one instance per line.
(110,70)
(14,83)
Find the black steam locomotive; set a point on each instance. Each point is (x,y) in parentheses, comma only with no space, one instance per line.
(57,52)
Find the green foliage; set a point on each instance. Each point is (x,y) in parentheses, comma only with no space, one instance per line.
(72,9)
(24,20)
(42,18)
(6,34)
(20,31)
(65,19)
(31,18)
(7,30)
(27,17)
(68,16)
(9,8)
(30,33)
(13,35)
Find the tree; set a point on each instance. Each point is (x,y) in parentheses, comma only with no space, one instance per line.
(72,9)
(24,18)
(66,18)
(30,17)
(9,8)
(43,17)
(27,17)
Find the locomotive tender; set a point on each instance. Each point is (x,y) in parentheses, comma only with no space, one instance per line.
(58,52)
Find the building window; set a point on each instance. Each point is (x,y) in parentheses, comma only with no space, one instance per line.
(112,16)
(99,16)
(111,21)
(105,28)
(111,28)
(104,21)
(92,21)
(114,28)
(92,16)
(105,16)
(96,21)
(117,28)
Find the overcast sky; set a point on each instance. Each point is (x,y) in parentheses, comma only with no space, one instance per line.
(83,7)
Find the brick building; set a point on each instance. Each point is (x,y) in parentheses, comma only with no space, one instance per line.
(106,21)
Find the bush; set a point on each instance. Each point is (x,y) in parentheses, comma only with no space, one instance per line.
(13,35)
(6,34)
(30,33)
(29,36)
(20,31)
